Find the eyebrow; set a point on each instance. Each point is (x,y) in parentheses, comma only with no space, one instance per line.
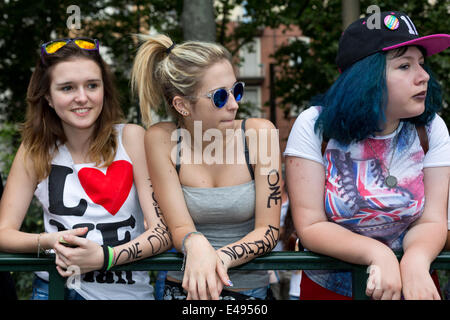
(408,57)
(70,82)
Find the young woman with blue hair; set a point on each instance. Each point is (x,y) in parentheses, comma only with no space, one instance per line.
(375,142)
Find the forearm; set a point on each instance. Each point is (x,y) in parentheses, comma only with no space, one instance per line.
(447,244)
(256,243)
(14,241)
(333,240)
(154,241)
(424,241)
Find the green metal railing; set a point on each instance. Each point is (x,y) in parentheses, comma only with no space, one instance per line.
(173,261)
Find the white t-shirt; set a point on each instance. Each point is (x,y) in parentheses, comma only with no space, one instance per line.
(356,196)
(106,201)
(448,210)
(294,286)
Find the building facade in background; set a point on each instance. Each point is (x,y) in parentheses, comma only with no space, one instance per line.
(254,70)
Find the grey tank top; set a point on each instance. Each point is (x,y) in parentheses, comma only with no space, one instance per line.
(225,215)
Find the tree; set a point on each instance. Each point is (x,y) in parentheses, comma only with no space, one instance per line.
(314,70)
(26,24)
(350,12)
(198,20)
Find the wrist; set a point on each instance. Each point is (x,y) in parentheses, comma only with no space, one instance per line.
(187,240)
(99,261)
(44,241)
(382,253)
(416,260)
(108,257)
(226,260)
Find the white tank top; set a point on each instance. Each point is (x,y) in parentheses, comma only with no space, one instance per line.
(106,201)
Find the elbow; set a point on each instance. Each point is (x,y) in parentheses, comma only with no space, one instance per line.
(447,242)
(308,235)
(5,235)
(305,239)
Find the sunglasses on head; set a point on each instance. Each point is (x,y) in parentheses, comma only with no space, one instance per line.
(83,43)
(220,96)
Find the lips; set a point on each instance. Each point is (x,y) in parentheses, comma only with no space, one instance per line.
(81,111)
(421,95)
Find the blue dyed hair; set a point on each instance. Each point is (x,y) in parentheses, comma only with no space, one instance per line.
(353,108)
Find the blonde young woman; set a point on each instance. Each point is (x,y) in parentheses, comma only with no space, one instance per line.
(88,171)
(222,205)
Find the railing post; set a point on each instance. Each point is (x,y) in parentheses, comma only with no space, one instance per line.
(359,283)
(56,285)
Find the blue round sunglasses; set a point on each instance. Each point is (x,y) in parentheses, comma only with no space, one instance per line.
(219,97)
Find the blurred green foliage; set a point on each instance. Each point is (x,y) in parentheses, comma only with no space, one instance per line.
(306,69)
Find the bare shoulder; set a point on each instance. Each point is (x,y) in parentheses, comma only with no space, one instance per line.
(133,140)
(161,136)
(259,123)
(161,131)
(265,132)
(23,165)
(24,161)
(131,130)
(262,127)
(132,135)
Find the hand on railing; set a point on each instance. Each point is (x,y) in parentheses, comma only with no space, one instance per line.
(384,282)
(86,255)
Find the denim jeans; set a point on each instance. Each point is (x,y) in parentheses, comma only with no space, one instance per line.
(40,291)
(174,291)
(260,293)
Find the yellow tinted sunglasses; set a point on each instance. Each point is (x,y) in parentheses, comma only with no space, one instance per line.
(83,43)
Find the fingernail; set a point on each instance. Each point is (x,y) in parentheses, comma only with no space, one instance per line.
(230,284)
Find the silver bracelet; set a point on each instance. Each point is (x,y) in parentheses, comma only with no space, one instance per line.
(39,245)
(183,249)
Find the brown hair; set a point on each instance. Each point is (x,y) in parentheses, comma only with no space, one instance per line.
(42,131)
(160,74)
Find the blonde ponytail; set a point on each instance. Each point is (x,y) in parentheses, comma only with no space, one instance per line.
(159,74)
(143,80)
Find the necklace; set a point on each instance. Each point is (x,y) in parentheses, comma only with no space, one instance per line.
(390,181)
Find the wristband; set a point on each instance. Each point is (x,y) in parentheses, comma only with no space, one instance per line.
(106,258)
(39,244)
(183,249)
(39,247)
(111,258)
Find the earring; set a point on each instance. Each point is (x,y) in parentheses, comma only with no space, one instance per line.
(184,113)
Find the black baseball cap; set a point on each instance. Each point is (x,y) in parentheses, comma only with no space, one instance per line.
(395,29)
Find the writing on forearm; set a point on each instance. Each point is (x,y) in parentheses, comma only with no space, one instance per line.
(254,248)
(133,253)
(160,238)
(273,179)
(156,205)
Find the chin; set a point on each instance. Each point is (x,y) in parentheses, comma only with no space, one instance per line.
(417,112)
(414,111)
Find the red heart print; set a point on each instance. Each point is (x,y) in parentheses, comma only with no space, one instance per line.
(110,190)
